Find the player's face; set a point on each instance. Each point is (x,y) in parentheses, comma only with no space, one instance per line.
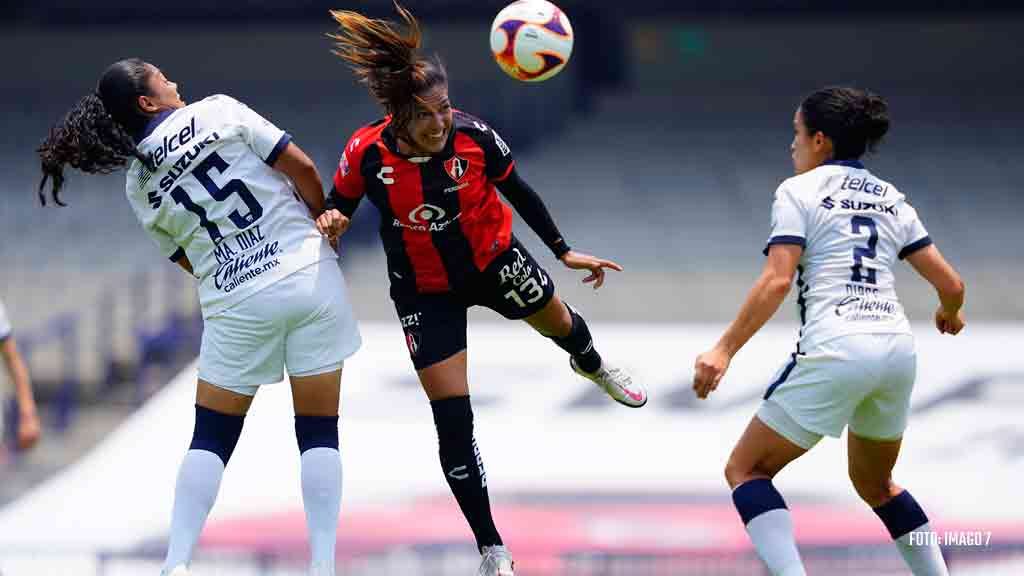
(809,150)
(163,94)
(431,121)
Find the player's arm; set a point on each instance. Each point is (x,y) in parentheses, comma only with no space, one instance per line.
(185,264)
(930,264)
(531,208)
(294,163)
(762,302)
(28,418)
(536,215)
(346,192)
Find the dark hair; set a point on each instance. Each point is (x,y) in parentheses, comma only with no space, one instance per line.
(388,61)
(96,136)
(855,119)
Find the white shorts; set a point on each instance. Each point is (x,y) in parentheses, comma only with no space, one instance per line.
(303,321)
(863,380)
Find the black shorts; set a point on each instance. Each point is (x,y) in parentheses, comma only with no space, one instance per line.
(513,285)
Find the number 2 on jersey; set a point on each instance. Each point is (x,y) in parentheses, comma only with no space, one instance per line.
(202,173)
(860,272)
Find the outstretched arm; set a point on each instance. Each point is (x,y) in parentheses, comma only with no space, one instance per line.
(533,211)
(536,215)
(762,302)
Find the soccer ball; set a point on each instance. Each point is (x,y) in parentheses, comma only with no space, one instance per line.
(531,40)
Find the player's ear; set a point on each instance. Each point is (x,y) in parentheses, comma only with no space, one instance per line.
(821,141)
(147,105)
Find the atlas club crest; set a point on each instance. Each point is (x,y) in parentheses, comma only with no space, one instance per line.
(456,167)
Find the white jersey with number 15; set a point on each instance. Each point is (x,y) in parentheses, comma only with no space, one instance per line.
(215,198)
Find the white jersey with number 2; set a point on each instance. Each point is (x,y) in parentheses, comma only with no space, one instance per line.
(853,227)
(215,198)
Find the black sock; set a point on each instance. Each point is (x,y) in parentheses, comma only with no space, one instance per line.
(463,468)
(579,344)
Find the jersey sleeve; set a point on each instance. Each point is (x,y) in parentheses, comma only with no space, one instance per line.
(146,213)
(348,178)
(915,237)
(498,161)
(265,139)
(789,220)
(5,324)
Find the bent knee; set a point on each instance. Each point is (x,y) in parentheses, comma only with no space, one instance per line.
(873,490)
(737,472)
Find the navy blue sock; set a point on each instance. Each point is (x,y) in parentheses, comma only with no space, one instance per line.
(216,432)
(901,515)
(756,497)
(316,432)
(579,344)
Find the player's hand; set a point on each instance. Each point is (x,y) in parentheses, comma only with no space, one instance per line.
(708,371)
(332,224)
(581,261)
(29,430)
(948,323)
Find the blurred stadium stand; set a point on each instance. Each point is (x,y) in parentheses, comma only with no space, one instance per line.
(659,146)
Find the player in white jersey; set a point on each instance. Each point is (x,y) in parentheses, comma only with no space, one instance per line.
(228,197)
(840,229)
(29,428)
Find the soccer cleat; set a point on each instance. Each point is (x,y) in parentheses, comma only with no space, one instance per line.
(496,562)
(179,570)
(616,383)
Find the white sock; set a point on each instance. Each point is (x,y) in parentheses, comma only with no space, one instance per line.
(922,555)
(772,535)
(321,497)
(194,495)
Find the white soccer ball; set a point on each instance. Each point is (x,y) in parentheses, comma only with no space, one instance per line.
(531,40)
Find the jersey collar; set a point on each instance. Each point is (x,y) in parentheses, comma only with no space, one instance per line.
(151,125)
(847,163)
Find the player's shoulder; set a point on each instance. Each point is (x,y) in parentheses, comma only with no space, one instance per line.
(366,136)
(469,124)
(481,133)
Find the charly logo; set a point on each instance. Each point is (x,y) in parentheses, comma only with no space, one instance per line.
(426,213)
(455,167)
(381,175)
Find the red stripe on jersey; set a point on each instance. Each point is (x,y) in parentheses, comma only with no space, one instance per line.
(507,172)
(486,221)
(405,197)
(348,179)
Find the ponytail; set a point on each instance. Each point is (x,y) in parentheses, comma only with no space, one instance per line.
(96,136)
(387,60)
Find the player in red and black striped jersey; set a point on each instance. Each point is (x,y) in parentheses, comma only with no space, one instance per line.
(434,174)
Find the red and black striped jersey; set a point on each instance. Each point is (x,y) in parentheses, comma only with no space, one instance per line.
(441,218)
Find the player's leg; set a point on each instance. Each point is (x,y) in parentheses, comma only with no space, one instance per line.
(755,460)
(517,287)
(435,332)
(220,414)
(316,399)
(874,441)
(241,349)
(322,333)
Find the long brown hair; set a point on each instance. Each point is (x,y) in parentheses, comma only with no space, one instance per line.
(387,60)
